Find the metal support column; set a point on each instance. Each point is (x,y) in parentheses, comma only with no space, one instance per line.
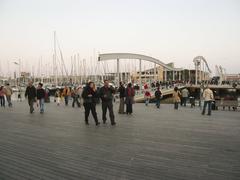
(140,74)
(117,79)
(200,71)
(165,75)
(155,72)
(196,73)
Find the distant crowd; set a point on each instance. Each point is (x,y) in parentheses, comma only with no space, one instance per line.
(90,95)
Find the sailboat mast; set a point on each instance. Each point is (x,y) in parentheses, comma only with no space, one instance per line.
(55,59)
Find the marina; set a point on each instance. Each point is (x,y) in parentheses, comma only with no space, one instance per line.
(119,90)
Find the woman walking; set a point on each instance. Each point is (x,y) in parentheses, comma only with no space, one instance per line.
(2,96)
(176,97)
(75,96)
(41,97)
(8,94)
(89,97)
(130,93)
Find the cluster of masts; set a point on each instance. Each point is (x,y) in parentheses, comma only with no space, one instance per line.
(80,69)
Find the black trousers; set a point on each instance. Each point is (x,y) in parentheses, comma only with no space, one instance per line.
(129,108)
(107,105)
(66,100)
(75,100)
(2,100)
(30,103)
(90,107)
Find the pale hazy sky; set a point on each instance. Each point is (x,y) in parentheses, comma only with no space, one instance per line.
(170,30)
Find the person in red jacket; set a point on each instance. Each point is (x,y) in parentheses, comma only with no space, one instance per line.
(147,97)
(129,94)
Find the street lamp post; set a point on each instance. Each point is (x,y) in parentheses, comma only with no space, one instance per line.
(19,65)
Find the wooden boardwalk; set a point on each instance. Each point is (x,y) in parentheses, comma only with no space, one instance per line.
(151,144)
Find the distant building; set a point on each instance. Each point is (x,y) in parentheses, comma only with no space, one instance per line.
(186,75)
(233,77)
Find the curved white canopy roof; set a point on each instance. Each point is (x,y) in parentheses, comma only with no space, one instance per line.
(111,56)
(201,58)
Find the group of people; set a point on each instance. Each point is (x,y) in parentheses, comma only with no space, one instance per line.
(6,91)
(157,93)
(75,93)
(38,95)
(90,95)
(35,95)
(181,97)
(126,96)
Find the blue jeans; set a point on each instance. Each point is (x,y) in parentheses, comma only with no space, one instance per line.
(66,100)
(9,101)
(158,103)
(176,105)
(209,103)
(184,101)
(147,101)
(41,103)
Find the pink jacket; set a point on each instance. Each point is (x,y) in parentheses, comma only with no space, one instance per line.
(2,92)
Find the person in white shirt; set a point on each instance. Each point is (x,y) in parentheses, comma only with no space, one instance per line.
(185,94)
(208,98)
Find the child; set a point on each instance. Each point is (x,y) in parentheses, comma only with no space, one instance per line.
(58,96)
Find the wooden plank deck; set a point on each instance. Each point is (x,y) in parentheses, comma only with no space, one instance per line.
(151,144)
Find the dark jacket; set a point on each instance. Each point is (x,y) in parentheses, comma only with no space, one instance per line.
(31,92)
(158,94)
(121,91)
(40,93)
(87,91)
(106,94)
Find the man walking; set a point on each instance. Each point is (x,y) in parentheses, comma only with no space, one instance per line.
(185,95)
(31,94)
(66,94)
(158,95)
(208,98)
(106,95)
(75,97)
(121,91)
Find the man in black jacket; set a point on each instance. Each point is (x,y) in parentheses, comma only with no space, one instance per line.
(106,94)
(158,95)
(31,94)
